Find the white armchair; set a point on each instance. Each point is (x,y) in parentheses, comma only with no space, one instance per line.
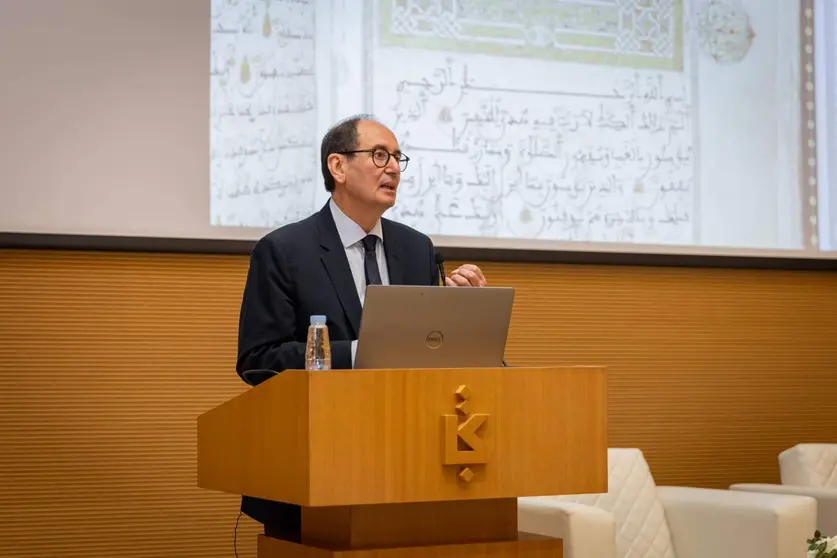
(637,519)
(807,470)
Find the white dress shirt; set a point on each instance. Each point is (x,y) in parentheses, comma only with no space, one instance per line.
(352,235)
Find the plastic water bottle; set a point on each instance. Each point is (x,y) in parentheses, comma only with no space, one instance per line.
(318,347)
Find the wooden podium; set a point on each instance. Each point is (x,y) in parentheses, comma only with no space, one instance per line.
(410,463)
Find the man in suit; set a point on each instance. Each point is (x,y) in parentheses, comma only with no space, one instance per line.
(322,264)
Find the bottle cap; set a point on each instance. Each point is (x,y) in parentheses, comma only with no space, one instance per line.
(318,320)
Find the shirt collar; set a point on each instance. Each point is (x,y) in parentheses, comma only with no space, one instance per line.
(350,232)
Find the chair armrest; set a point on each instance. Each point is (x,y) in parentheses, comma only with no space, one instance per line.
(826,501)
(587,532)
(735,524)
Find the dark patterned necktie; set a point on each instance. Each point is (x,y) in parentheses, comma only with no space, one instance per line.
(373,274)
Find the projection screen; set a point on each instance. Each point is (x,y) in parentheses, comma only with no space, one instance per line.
(680,126)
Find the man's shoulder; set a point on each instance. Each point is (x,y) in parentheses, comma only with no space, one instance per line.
(287,239)
(291,233)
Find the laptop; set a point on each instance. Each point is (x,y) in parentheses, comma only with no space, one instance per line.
(433,327)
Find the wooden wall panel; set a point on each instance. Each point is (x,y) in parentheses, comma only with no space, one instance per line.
(106,360)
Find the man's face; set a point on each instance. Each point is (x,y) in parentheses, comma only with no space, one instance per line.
(365,176)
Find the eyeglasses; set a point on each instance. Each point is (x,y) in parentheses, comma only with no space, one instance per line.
(381,157)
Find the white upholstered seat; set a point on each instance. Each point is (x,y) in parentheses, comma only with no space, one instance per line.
(638,519)
(807,470)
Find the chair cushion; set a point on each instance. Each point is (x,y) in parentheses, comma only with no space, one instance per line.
(641,528)
(809,465)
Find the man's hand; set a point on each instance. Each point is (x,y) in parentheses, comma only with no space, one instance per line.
(466,276)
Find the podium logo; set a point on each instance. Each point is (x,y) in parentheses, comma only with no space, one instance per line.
(463,444)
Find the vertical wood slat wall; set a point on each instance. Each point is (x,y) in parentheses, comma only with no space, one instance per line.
(107,359)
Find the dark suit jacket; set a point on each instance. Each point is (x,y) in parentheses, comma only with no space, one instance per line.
(300,270)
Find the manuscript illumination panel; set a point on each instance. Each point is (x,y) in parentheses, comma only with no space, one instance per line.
(628,33)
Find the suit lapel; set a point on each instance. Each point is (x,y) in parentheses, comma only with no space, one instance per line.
(392,250)
(337,267)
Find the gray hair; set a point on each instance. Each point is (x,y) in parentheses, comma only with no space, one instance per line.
(340,138)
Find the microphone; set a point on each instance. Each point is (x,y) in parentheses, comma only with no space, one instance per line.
(440,263)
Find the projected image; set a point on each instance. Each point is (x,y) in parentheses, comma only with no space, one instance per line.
(664,122)
(566,120)
(264,152)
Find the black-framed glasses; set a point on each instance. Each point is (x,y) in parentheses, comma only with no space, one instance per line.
(380,157)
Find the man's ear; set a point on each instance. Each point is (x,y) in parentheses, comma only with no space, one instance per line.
(337,166)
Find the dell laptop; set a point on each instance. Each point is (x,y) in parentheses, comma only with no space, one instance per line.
(433,327)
